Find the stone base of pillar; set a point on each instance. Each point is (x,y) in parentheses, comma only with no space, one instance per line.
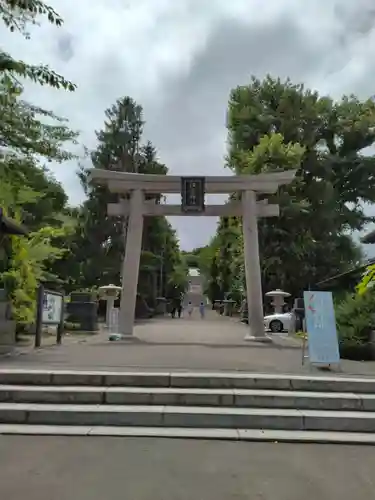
(261,339)
(122,336)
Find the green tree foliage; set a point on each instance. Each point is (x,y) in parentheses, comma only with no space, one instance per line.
(367,281)
(79,248)
(25,140)
(101,248)
(191,259)
(29,135)
(17,15)
(355,318)
(275,125)
(26,128)
(212,281)
(177,280)
(27,259)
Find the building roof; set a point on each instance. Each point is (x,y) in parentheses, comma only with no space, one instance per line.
(9,226)
(369,237)
(347,279)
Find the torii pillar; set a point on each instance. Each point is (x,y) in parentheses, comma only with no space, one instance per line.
(130,269)
(252,268)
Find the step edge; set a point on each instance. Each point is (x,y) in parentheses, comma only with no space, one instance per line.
(193,374)
(184,390)
(184,409)
(265,435)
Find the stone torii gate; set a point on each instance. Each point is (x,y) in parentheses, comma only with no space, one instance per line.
(192,189)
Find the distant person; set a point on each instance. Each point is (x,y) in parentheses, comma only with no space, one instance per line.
(179,308)
(173,308)
(176,307)
(202,309)
(190,309)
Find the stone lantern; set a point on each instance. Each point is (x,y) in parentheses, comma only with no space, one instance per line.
(109,293)
(278,297)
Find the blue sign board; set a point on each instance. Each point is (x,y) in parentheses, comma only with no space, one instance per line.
(321,328)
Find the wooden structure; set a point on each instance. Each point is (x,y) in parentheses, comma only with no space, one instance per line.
(368,238)
(135,207)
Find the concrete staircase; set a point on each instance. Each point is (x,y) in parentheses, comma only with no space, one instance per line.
(236,406)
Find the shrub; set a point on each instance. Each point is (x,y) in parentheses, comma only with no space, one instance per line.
(355,318)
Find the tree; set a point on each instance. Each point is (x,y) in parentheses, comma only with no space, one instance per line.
(177,280)
(275,125)
(30,194)
(367,281)
(191,259)
(208,267)
(355,319)
(120,148)
(26,139)
(26,259)
(228,237)
(24,127)
(17,14)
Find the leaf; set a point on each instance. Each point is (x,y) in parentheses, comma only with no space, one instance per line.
(16,15)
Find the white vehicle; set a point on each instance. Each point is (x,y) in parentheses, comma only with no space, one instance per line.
(277,323)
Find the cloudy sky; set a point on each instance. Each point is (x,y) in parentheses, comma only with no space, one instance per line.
(180,58)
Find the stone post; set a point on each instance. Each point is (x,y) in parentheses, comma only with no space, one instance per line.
(131,264)
(110,306)
(252,268)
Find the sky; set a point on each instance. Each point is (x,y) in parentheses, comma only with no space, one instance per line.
(179,59)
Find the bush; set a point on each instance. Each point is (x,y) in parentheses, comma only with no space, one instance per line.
(355,318)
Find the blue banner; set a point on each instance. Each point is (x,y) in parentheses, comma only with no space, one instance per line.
(321,328)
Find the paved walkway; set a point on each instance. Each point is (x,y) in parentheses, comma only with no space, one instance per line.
(64,468)
(60,468)
(215,343)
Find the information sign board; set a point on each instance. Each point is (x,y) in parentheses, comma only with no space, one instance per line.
(52,308)
(192,194)
(321,328)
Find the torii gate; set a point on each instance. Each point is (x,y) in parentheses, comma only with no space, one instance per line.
(193,189)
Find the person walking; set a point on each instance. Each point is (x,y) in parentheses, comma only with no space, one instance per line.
(179,306)
(190,309)
(173,310)
(202,309)
(175,306)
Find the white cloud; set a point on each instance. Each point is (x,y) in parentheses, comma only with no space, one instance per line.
(179,59)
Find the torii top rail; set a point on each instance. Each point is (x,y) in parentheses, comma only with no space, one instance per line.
(124,182)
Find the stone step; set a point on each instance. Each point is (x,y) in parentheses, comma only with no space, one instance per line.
(247,398)
(270,435)
(184,379)
(188,416)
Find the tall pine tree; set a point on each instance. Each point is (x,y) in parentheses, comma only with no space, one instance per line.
(120,148)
